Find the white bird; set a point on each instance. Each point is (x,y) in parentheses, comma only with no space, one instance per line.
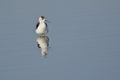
(41,26)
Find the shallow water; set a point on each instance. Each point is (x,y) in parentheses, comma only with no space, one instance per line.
(83,40)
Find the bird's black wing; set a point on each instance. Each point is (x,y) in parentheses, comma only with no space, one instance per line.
(37,25)
(46,24)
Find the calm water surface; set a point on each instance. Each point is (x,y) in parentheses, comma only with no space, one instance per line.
(84,40)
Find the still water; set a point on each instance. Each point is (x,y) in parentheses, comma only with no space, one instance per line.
(83,42)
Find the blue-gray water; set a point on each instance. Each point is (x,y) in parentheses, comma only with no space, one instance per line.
(84,40)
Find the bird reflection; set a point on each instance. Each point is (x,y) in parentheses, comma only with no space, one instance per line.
(43,43)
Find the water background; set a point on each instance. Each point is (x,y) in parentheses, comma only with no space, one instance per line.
(84,40)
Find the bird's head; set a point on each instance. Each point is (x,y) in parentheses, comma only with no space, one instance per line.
(42,19)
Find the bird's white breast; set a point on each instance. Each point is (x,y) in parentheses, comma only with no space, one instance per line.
(41,29)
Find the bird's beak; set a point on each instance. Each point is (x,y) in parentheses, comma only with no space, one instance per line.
(47,21)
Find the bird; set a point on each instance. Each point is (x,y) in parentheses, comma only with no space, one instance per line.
(41,26)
